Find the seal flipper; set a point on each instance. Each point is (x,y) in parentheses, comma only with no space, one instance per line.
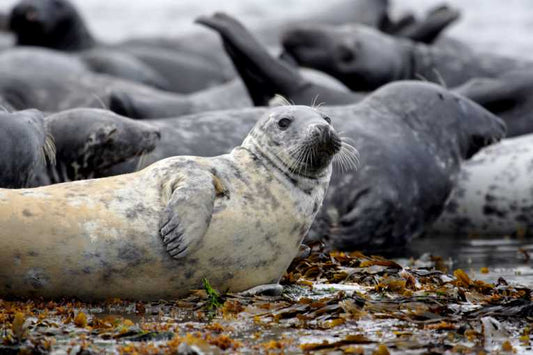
(263,75)
(429,29)
(189,210)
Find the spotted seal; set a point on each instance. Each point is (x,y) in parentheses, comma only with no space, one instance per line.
(365,59)
(236,219)
(493,196)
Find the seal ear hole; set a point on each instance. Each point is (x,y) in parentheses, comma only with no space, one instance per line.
(346,54)
(327,119)
(284,123)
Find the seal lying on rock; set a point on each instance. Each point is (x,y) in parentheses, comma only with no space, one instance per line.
(236,219)
(25,147)
(494,195)
(412,137)
(365,59)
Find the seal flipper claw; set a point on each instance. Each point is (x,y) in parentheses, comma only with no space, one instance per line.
(188,212)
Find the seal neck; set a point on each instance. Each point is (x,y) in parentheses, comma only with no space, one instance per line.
(303,182)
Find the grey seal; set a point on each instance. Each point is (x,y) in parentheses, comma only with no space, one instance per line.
(365,59)
(412,138)
(237,219)
(25,146)
(494,195)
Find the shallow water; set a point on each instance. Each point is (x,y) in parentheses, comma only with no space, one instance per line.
(507,258)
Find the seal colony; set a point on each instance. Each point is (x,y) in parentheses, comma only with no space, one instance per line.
(237,219)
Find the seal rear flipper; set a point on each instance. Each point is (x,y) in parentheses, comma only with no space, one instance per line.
(429,29)
(188,212)
(263,75)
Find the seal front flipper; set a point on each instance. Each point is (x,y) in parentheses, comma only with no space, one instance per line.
(187,215)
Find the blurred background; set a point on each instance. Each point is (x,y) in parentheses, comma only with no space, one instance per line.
(494,26)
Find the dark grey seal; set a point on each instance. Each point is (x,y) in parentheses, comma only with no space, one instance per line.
(365,59)
(412,138)
(57,24)
(265,76)
(509,96)
(25,147)
(88,142)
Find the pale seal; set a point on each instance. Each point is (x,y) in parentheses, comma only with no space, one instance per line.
(494,194)
(236,219)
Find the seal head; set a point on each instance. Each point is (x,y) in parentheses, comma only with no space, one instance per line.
(49,23)
(297,139)
(362,58)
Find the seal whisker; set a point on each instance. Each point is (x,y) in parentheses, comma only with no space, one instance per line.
(440,78)
(100,101)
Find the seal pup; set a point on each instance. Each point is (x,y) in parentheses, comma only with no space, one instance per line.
(365,59)
(236,219)
(25,147)
(493,196)
(412,137)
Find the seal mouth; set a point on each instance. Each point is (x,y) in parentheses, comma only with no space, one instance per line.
(313,155)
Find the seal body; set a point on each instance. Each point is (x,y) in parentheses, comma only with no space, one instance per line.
(493,196)
(55,81)
(25,147)
(405,132)
(236,219)
(90,141)
(509,96)
(365,59)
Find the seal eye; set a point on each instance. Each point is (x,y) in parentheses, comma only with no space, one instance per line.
(327,119)
(284,123)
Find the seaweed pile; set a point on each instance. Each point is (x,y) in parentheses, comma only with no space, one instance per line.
(332,302)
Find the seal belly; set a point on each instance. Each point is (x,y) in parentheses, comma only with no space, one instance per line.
(253,236)
(91,239)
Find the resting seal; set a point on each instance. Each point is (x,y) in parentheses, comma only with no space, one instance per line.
(25,146)
(509,96)
(406,132)
(494,195)
(365,59)
(57,24)
(89,142)
(236,219)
